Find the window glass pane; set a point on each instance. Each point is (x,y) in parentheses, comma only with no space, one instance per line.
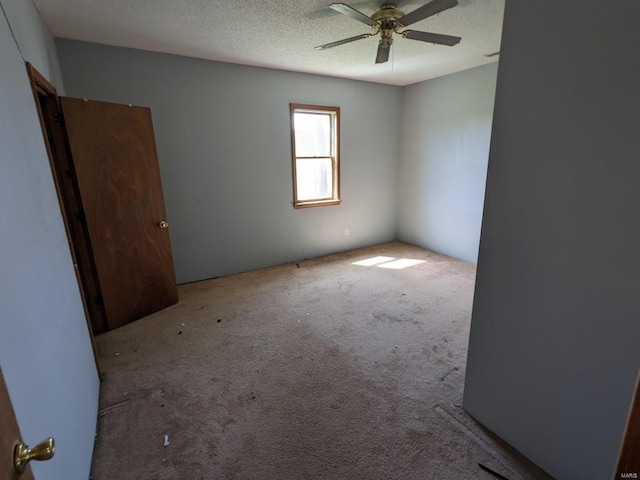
(315,180)
(313,134)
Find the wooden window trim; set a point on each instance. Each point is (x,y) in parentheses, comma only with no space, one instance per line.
(335,158)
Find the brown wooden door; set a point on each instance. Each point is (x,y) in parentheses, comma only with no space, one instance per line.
(114,153)
(9,437)
(629,459)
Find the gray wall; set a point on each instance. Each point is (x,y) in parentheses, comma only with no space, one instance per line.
(45,350)
(553,353)
(224,148)
(34,39)
(446,127)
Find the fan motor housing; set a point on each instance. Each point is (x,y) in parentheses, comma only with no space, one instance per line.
(387,13)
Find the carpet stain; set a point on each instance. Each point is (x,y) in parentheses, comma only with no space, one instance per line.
(454,369)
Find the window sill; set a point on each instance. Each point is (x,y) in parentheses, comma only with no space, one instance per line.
(323,203)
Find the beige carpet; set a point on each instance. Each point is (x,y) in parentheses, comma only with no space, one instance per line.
(322,369)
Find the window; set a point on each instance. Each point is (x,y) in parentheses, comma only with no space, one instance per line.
(315,147)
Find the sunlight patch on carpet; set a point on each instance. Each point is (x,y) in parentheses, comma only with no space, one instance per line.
(373,261)
(388,262)
(401,264)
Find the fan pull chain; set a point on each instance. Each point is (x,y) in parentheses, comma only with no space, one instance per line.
(393,55)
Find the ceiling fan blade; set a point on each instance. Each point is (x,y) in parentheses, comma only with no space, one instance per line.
(436,6)
(342,42)
(351,12)
(383,52)
(431,37)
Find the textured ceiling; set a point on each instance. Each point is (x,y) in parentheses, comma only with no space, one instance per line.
(282,34)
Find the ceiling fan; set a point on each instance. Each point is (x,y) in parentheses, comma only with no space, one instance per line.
(389,19)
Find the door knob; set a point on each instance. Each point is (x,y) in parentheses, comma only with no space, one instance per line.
(163,224)
(22,454)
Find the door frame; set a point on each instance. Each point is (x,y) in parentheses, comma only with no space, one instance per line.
(52,123)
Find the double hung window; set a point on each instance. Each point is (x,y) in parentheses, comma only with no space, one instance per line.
(315,146)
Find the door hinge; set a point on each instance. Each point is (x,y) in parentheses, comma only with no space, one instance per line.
(58,118)
(99,300)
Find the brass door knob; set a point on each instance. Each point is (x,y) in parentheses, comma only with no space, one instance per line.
(163,224)
(22,454)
